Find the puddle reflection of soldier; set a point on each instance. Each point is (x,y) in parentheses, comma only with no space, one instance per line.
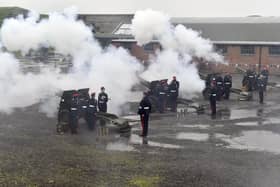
(174,92)
(73,113)
(91,112)
(103,131)
(162,95)
(227,85)
(261,87)
(144,112)
(213,97)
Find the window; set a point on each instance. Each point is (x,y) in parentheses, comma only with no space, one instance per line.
(274,50)
(222,49)
(247,50)
(127,45)
(149,47)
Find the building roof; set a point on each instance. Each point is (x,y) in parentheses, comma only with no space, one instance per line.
(246,30)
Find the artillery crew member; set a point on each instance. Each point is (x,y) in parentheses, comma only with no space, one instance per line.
(162,95)
(144,112)
(102,100)
(261,87)
(91,112)
(219,83)
(227,85)
(213,98)
(174,92)
(73,113)
(265,74)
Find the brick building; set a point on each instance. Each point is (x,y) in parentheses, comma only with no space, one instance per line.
(249,42)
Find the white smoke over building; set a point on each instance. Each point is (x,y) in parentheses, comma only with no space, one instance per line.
(94,67)
(179,45)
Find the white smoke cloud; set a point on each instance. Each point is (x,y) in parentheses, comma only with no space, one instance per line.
(169,63)
(148,25)
(179,45)
(93,67)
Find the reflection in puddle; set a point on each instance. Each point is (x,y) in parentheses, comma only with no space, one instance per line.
(199,126)
(132,117)
(272,121)
(254,141)
(238,114)
(192,136)
(247,124)
(119,146)
(135,139)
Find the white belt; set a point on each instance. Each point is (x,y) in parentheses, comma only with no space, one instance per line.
(251,76)
(91,106)
(84,106)
(146,108)
(73,108)
(161,93)
(214,95)
(219,83)
(227,83)
(173,91)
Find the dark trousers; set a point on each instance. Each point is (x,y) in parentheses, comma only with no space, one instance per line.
(261,96)
(213,106)
(162,104)
(173,103)
(102,107)
(73,123)
(145,124)
(227,93)
(219,93)
(91,120)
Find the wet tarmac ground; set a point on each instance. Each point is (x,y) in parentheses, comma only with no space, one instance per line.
(239,147)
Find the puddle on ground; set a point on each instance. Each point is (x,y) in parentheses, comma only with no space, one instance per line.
(272,121)
(135,139)
(119,146)
(242,113)
(254,141)
(132,117)
(255,123)
(192,136)
(199,126)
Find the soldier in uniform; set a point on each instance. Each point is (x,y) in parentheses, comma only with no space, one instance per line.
(220,85)
(91,112)
(144,110)
(265,74)
(73,113)
(162,96)
(102,100)
(227,85)
(213,98)
(261,87)
(174,93)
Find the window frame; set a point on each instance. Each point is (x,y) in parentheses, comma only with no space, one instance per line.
(270,51)
(247,53)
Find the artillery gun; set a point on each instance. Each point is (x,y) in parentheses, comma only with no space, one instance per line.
(152,94)
(83,98)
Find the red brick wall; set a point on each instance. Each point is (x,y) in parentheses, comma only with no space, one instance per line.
(233,56)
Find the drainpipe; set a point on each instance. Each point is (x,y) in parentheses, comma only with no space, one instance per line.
(260,58)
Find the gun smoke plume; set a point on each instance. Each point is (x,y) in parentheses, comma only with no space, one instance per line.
(179,44)
(94,66)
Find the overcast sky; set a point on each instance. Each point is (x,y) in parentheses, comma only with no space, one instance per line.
(175,8)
